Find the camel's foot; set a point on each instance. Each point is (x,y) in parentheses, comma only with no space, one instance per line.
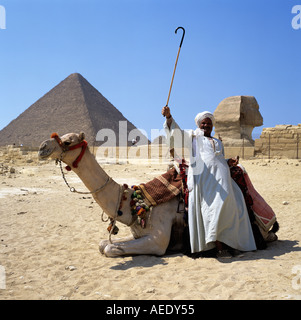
(102,245)
(145,245)
(271,237)
(110,249)
(113,250)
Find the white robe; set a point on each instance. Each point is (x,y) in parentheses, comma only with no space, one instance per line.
(217,209)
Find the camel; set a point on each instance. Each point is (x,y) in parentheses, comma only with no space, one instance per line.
(165,228)
(164,219)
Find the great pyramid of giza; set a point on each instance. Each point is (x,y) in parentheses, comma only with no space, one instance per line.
(73,105)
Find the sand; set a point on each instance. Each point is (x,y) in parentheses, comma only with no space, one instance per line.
(49,242)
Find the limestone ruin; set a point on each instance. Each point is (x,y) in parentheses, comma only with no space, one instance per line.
(281,141)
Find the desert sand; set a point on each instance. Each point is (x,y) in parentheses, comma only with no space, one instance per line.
(49,241)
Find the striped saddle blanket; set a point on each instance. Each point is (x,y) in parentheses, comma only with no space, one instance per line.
(162,189)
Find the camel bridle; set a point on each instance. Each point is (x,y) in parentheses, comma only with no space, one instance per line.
(83,144)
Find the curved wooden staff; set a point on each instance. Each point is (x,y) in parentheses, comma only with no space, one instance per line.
(176,62)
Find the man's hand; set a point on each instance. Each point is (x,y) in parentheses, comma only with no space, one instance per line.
(232,162)
(166,112)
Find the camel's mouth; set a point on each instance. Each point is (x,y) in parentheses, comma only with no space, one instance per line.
(45,151)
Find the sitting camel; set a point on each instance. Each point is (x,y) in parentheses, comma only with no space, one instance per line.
(154,239)
(165,225)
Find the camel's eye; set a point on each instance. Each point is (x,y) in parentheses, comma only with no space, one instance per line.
(67,143)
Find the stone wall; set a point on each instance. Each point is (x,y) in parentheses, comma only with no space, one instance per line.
(242,152)
(282,141)
(18,155)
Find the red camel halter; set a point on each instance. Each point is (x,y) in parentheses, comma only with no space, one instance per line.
(65,148)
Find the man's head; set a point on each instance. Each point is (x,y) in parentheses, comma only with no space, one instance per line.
(205,121)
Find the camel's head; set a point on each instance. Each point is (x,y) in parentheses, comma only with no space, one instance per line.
(64,147)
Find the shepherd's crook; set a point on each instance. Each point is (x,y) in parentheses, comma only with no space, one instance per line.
(176,62)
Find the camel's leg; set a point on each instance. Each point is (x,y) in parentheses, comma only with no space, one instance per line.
(153,240)
(104,243)
(148,244)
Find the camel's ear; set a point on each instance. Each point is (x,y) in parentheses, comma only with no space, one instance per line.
(81,136)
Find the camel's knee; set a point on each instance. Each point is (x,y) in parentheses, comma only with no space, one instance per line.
(159,251)
(155,248)
(160,246)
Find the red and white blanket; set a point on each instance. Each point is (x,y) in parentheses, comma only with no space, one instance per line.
(264,214)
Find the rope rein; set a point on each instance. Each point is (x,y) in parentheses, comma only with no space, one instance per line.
(116,213)
(83,145)
(72,189)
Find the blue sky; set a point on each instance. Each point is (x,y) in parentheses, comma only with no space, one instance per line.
(127,50)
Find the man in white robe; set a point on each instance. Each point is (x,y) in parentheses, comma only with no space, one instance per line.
(217,213)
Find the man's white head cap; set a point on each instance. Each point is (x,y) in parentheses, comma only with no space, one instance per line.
(203,115)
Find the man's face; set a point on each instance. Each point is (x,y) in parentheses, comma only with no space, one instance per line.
(206,126)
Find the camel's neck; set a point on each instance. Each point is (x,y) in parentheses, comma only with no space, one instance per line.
(94,177)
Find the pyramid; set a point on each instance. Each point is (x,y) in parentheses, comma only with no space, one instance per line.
(73,105)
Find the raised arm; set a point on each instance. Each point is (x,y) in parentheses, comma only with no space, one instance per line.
(166,113)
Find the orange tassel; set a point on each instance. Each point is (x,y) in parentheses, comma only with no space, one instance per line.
(142,210)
